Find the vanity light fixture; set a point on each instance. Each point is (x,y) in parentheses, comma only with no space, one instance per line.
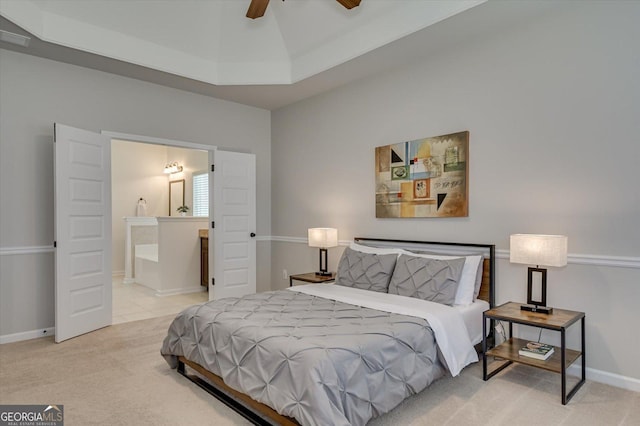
(539,250)
(172,168)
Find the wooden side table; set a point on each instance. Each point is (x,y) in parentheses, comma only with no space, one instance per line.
(562,357)
(311,277)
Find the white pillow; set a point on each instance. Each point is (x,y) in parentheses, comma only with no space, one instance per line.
(476,290)
(465,294)
(375,250)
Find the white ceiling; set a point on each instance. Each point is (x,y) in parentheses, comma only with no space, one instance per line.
(298,49)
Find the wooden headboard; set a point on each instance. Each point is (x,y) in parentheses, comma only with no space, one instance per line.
(487,289)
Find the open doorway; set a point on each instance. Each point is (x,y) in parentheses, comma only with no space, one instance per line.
(146,196)
(83,221)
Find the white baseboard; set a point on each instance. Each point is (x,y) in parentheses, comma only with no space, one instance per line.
(628,383)
(27,335)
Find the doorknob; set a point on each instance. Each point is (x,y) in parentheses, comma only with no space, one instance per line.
(253,234)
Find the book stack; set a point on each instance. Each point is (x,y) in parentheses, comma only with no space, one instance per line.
(536,350)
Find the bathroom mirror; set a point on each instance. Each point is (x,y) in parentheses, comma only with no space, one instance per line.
(176,196)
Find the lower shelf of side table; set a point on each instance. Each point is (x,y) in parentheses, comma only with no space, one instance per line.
(508,350)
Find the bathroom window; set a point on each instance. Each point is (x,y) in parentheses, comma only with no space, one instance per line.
(201,194)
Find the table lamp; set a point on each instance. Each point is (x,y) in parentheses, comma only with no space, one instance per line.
(539,250)
(323,238)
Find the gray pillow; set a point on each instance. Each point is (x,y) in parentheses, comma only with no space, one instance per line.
(365,271)
(428,279)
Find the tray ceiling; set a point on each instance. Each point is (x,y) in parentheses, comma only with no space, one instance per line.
(299,49)
(212,41)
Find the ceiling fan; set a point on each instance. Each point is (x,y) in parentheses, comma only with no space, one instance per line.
(258,7)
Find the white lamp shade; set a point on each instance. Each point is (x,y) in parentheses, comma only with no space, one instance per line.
(542,250)
(323,237)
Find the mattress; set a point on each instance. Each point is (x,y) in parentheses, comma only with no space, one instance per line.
(472,316)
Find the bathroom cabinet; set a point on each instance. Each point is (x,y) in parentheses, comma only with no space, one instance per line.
(204,257)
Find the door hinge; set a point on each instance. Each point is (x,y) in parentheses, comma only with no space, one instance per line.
(213,167)
(213,224)
(55,244)
(213,281)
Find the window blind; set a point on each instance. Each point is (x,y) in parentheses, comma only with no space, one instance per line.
(201,194)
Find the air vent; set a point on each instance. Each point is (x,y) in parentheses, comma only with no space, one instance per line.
(14,38)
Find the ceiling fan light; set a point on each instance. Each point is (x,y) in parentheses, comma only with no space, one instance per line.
(257,8)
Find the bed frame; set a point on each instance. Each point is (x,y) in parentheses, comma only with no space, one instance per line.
(261,414)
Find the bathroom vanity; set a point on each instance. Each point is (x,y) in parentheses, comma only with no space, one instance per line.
(165,255)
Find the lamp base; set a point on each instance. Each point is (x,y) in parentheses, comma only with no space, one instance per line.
(537,308)
(324,274)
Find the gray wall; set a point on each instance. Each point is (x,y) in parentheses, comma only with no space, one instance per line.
(552,107)
(37,92)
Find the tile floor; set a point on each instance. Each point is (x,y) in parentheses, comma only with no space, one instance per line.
(132,302)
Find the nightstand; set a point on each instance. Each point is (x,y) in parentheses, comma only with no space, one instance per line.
(562,357)
(311,277)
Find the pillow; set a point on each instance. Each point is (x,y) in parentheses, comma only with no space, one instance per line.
(479,274)
(465,294)
(427,279)
(367,271)
(375,250)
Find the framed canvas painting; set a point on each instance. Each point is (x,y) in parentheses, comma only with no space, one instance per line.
(423,178)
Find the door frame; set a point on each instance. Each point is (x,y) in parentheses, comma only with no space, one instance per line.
(157,141)
(211,149)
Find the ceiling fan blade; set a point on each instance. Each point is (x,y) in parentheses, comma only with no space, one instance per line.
(349,4)
(257,8)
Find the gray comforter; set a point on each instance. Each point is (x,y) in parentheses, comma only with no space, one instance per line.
(319,361)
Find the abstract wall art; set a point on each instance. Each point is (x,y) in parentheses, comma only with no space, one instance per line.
(424,177)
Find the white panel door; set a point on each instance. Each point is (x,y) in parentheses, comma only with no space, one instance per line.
(233,209)
(82,231)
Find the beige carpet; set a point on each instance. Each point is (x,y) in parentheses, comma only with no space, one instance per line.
(116,376)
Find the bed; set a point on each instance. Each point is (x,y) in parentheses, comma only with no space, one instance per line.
(341,354)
